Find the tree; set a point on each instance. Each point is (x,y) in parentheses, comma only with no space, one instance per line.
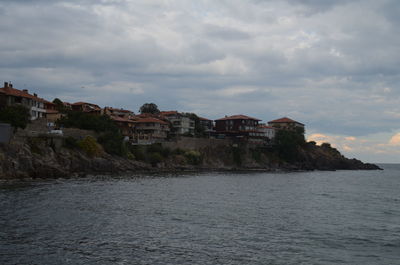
(287,143)
(18,116)
(149,108)
(59,105)
(85,121)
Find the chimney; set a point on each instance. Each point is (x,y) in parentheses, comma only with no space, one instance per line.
(35,95)
(10,85)
(5,84)
(25,91)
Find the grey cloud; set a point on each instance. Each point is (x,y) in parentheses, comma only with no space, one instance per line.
(333,69)
(225,33)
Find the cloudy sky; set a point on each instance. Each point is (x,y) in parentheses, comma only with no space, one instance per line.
(333,65)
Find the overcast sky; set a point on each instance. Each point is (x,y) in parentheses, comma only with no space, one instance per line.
(333,65)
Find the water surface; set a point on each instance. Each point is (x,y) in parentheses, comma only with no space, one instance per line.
(342,217)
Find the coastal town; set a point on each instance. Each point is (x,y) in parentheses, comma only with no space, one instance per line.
(151,125)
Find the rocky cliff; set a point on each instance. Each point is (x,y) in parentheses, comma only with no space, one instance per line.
(49,157)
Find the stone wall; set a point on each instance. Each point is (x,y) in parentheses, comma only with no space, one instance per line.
(5,133)
(189,143)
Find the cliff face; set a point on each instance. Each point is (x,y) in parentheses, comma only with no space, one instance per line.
(38,157)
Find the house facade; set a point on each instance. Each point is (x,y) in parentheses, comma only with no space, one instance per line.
(238,126)
(267,131)
(286,123)
(180,123)
(126,126)
(207,125)
(11,96)
(150,130)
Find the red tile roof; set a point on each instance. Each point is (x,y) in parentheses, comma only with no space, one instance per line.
(120,119)
(204,119)
(17,93)
(285,120)
(94,106)
(167,113)
(150,120)
(238,117)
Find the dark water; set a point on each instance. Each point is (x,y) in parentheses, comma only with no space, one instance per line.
(343,217)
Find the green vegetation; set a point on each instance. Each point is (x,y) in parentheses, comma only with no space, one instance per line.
(60,105)
(152,154)
(237,155)
(90,146)
(110,137)
(198,128)
(193,157)
(287,144)
(155,158)
(18,116)
(256,154)
(149,108)
(85,121)
(34,144)
(70,143)
(113,143)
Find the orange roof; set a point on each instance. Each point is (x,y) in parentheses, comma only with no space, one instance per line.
(204,119)
(150,120)
(17,93)
(96,107)
(120,119)
(238,117)
(166,113)
(285,120)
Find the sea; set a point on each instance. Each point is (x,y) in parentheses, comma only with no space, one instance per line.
(317,217)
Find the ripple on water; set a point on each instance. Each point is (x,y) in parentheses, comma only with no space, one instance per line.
(341,217)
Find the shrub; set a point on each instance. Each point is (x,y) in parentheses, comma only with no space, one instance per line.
(138,152)
(178,151)
(130,156)
(113,143)
(34,143)
(155,158)
(326,145)
(288,144)
(193,157)
(70,142)
(256,154)
(18,116)
(90,146)
(237,155)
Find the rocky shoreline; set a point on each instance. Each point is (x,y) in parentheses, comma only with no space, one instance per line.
(43,159)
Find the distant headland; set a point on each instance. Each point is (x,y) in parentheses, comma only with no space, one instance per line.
(43,139)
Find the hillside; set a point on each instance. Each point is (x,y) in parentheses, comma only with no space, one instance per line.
(52,157)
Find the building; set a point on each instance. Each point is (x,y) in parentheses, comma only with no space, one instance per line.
(150,130)
(286,123)
(267,131)
(181,124)
(207,125)
(86,107)
(239,127)
(123,113)
(126,126)
(52,114)
(10,96)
